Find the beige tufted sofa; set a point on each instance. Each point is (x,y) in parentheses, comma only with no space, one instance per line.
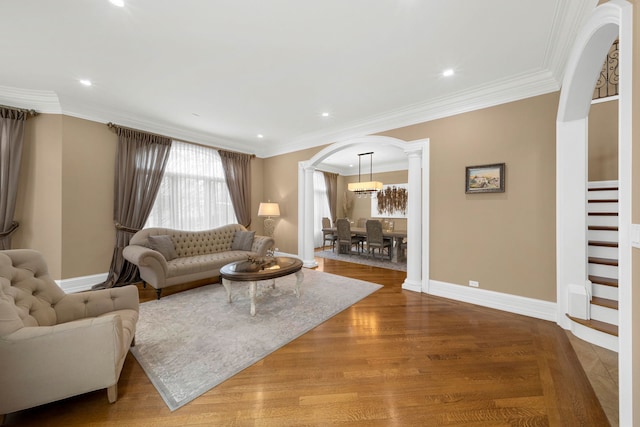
(200,254)
(54,345)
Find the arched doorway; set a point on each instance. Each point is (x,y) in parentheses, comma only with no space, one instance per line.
(418,207)
(608,21)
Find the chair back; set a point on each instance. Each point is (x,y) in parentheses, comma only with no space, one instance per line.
(374,232)
(361,222)
(28,294)
(326,222)
(344,231)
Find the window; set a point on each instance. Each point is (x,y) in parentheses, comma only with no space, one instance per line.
(193,194)
(320,206)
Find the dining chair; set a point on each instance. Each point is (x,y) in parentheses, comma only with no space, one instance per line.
(375,239)
(328,236)
(346,239)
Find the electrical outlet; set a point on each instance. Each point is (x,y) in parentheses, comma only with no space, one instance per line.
(474,284)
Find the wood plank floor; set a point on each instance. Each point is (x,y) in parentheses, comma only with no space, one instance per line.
(396,358)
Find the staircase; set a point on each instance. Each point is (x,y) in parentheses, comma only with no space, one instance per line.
(602,253)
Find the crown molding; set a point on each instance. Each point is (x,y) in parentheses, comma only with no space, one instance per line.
(503,91)
(568,19)
(488,95)
(43,101)
(173,132)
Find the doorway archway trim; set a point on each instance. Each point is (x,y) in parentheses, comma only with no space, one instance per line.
(417,218)
(611,19)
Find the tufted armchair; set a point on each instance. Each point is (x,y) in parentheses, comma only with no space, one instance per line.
(54,345)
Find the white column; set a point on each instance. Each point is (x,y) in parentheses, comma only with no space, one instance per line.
(413,282)
(307,258)
(571,208)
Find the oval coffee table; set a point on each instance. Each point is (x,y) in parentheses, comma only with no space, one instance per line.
(271,268)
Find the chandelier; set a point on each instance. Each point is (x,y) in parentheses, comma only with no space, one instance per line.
(367,188)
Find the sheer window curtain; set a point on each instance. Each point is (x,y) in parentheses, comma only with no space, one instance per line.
(11,140)
(141,159)
(193,195)
(320,207)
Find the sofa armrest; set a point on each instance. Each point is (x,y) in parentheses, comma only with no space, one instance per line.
(150,263)
(95,303)
(53,362)
(261,244)
(144,257)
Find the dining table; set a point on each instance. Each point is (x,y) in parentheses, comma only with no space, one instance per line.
(397,237)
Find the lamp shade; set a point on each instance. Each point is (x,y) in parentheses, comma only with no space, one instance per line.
(368,186)
(269,209)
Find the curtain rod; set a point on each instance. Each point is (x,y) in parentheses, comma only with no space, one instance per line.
(30,112)
(114,126)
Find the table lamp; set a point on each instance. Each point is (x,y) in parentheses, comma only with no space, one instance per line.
(269,210)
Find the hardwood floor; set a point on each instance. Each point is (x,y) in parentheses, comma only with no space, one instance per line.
(396,358)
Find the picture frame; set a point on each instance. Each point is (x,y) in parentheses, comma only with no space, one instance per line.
(485,178)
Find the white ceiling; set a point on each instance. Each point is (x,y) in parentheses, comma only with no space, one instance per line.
(219,72)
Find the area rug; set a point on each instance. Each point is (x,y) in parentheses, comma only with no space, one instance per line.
(191,341)
(363,259)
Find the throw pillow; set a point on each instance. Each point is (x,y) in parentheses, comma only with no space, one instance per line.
(242,240)
(164,245)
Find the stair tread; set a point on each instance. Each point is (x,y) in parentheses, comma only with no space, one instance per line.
(607,328)
(603,261)
(607,281)
(605,302)
(603,227)
(603,243)
(604,189)
(603,200)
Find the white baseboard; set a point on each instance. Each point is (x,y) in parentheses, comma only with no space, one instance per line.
(412,285)
(539,309)
(83,283)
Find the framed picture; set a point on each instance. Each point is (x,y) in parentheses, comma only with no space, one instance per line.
(484,179)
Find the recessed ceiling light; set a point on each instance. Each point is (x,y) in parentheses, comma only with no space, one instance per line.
(119,3)
(260,135)
(85,82)
(325,114)
(448,73)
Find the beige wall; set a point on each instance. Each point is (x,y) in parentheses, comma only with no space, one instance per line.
(603,141)
(88,153)
(506,241)
(281,186)
(39,201)
(65,202)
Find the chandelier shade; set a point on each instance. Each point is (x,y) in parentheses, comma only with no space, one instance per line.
(365,187)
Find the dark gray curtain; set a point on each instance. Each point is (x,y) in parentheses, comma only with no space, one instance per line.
(331,182)
(140,163)
(237,172)
(11,136)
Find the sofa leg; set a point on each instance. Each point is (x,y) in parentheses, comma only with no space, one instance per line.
(158,293)
(112,393)
(144,284)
